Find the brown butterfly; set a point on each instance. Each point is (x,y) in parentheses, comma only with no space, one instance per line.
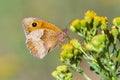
(41,36)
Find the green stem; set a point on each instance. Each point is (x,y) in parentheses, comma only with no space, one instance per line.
(86,77)
(86,56)
(111,67)
(78,69)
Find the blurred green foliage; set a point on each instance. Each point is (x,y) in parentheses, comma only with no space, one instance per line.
(15,61)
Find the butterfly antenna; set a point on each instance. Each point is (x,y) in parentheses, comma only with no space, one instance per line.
(66,30)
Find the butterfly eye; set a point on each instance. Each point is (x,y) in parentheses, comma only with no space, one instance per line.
(34,24)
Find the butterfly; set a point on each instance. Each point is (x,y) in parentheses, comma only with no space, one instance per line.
(42,36)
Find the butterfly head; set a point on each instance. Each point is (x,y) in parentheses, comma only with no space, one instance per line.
(31,24)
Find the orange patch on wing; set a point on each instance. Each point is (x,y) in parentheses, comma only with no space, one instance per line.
(27,23)
(50,26)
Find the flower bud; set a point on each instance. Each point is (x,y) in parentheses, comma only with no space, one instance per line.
(63,68)
(116,21)
(98,39)
(104,20)
(54,74)
(104,23)
(67,47)
(99,42)
(104,26)
(72,28)
(97,21)
(76,52)
(70,55)
(62,59)
(89,47)
(75,43)
(114,31)
(63,54)
(83,23)
(75,26)
(75,22)
(68,76)
(89,15)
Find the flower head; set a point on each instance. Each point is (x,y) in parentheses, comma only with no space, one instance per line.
(97,21)
(62,73)
(116,21)
(75,26)
(89,15)
(70,51)
(75,43)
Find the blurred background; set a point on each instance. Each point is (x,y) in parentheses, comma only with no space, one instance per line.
(16,63)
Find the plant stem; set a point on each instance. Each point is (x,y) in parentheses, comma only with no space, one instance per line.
(86,56)
(86,77)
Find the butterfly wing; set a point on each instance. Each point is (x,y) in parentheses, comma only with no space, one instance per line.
(41,36)
(35,44)
(40,42)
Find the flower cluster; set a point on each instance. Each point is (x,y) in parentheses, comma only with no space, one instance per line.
(99,39)
(97,43)
(89,25)
(116,22)
(62,73)
(71,55)
(100,46)
(70,52)
(115,30)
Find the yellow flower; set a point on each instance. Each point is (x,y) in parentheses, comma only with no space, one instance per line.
(98,18)
(90,14)
(62,73)
(83,23)
(75,43)
(116,21)
(72,28)
(75,25)
(67,47)
(75,22)
(76,52)
(63,68)
(63,54)
(104,19)
(97,21)
(70,55)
